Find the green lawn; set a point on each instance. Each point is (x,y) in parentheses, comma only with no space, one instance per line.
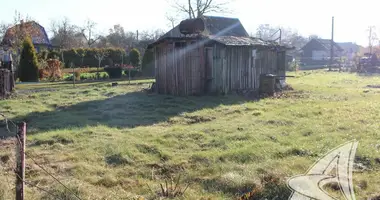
(120,143)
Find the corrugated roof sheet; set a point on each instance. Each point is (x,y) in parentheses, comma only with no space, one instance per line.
(237,41)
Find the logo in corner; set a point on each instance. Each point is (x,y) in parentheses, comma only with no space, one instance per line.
(335,167)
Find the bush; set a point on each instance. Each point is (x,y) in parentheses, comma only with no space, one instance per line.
(134,72)
(147,64)
(114,72)
(105,76)
(114,55)
(77,75)
(42,74)
(54,69)
(42,55)
(53,55)
(134,57)
(28,70)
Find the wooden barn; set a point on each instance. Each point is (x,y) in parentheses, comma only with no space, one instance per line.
(213,55)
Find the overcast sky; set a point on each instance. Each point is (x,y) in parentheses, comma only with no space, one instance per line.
(352,18)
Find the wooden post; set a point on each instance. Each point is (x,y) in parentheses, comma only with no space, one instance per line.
(72,66)
(129,75)
(20,170)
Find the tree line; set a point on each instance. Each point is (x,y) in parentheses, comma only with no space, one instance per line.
(71,37)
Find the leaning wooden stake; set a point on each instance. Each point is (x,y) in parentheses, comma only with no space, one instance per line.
(20,170)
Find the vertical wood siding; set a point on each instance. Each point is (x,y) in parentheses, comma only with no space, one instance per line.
(180,71)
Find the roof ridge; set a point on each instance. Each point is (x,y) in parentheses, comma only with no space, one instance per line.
(212,16)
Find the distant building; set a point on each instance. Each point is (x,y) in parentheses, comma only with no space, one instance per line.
(317,52)
(350,49)
(32,29)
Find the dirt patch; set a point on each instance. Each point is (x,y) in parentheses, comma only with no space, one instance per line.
(146,149)
(118,159)
(53,140)
(362,163)
(192,119)
(374,197)
(196,160)
(373,86)
(292,94)
(295,152)
(163,171)
(279,122)
(271,187)
(198,119)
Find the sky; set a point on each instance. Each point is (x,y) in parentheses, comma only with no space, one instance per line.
(352,18)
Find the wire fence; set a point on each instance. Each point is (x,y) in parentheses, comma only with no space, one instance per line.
(12,128)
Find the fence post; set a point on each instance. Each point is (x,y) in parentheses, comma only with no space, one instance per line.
(20,170)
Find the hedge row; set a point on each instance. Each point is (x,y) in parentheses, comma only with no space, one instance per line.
(113,55)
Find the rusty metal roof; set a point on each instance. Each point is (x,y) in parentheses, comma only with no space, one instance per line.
(237,41)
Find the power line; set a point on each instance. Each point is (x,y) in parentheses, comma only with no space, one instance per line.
(40,166)
(51,175)
(40,188)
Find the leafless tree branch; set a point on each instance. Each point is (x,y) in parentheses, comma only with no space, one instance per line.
(197,8)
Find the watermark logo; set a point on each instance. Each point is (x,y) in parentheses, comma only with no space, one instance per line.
(335,167)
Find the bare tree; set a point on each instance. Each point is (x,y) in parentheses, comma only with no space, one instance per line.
(372,38)
(81,53)
(197,8)
(288,36)
(17,31)
(3,29)
(65,34)
(172,19)
(100,55)
(88,32)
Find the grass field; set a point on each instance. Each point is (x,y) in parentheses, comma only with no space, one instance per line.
(120,143)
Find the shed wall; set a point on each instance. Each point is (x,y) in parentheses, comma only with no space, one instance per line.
(236,68)
(179,70)
(216,68)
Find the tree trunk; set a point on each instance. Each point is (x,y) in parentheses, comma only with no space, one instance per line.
(97,73)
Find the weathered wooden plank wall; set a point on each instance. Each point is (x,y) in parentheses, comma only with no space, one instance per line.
(182,70)
(179,70)
(235,68)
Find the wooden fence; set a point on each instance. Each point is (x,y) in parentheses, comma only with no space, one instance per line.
(5,83)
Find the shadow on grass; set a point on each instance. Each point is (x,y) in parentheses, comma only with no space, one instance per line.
(123,111)
(369,74)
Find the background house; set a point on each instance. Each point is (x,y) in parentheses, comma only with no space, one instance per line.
(350,50)
(317,52)
(213,55)
(35,31)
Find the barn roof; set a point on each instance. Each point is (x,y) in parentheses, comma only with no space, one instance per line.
(220,26)
(238,41)
(223,26)
(326,43)
(225,40)
(32,29)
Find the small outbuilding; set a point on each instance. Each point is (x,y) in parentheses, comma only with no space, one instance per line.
(213,55)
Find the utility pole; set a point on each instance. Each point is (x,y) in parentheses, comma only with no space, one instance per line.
(332,44)
(370,39)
